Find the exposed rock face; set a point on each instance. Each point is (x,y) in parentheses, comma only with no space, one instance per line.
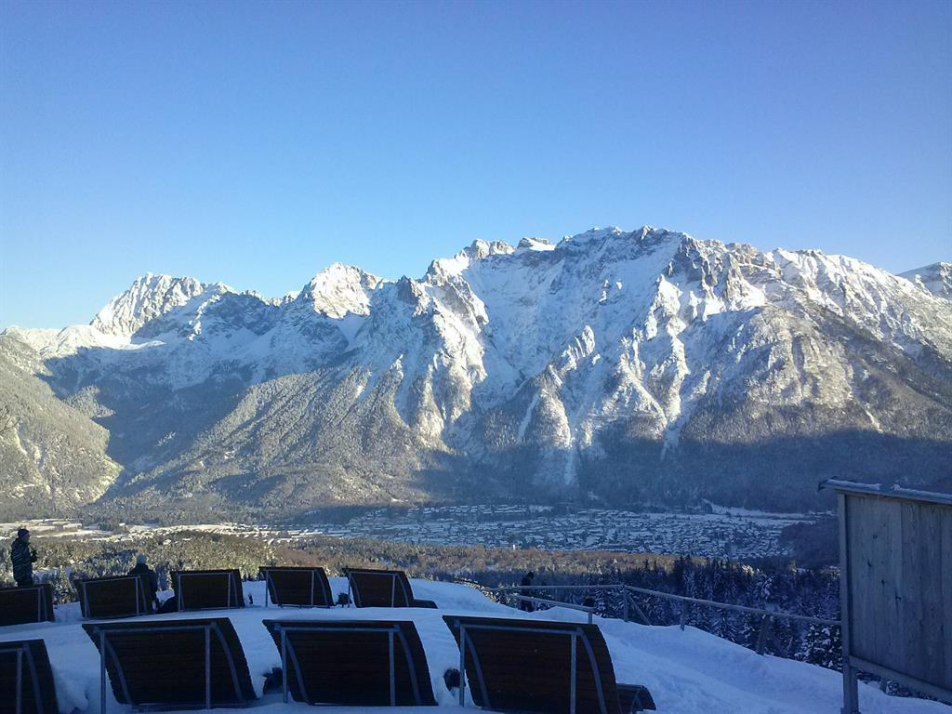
(149,298)
(625,367)
(936,278)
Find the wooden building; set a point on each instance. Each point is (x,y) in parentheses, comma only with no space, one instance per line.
(896,587)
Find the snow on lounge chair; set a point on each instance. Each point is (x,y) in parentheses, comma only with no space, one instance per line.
(26,679)
(123,596)
(382,588)
(29,604)
(352,663)
(540,666)
(207,589)
(172,664)
(301,587)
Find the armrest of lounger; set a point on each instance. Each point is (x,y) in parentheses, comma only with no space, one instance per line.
(424,603)
(634,698)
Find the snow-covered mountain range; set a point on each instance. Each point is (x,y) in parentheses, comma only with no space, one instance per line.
(613,366)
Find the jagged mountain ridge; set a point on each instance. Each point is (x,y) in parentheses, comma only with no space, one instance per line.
(617,366)
(936,278)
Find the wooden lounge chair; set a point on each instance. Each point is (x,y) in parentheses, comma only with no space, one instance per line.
(123,596)
(172,663)
(352,663)
(26,679)
(539,666)
(207,589)
(382,588)
(300,587)
(29,604)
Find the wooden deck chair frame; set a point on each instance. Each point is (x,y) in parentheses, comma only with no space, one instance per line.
(399,633)
(317,585)
(33,680)
(86,590)
(100,634)
(231,581)
(35,604)
(401,593)
(607,690)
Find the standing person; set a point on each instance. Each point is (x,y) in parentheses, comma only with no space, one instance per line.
(149,579)
(22,556)
(526,583)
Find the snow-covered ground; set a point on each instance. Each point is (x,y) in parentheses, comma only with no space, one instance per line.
(688,672)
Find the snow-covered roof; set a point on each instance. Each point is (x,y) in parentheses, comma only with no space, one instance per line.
(875,489)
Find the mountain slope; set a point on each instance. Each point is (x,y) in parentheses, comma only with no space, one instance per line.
(53,457)
(616,366)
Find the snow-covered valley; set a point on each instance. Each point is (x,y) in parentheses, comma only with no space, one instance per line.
(726,535)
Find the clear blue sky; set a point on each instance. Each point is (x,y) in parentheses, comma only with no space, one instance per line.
(256,143)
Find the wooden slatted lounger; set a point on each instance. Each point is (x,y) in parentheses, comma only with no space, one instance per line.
(207,589)
(300,587)
(30,604)
(540,666)
(352,663)
(123,596)
(172,663)
(26,679)
(382,588)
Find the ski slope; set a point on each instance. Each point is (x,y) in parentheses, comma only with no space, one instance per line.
(688,672)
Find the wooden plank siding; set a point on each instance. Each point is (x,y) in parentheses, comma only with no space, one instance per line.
(900,585)
(946,594)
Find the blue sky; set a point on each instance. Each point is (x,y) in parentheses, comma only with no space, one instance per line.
(256,143)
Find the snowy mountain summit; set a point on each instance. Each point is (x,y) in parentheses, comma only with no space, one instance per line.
(629,367)
(936,278)
(150,297)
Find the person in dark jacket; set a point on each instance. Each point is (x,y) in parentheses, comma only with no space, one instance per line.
(149,579)
(526,583)
(23,557)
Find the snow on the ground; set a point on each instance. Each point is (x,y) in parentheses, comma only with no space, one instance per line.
(688,672)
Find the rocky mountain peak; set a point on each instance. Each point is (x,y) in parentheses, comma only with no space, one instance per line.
(149,297)
(340,290)
(481,249)
(540,244)
(935,278)
(595,234)
(475,252)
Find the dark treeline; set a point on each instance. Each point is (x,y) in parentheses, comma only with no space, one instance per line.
(778,590)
